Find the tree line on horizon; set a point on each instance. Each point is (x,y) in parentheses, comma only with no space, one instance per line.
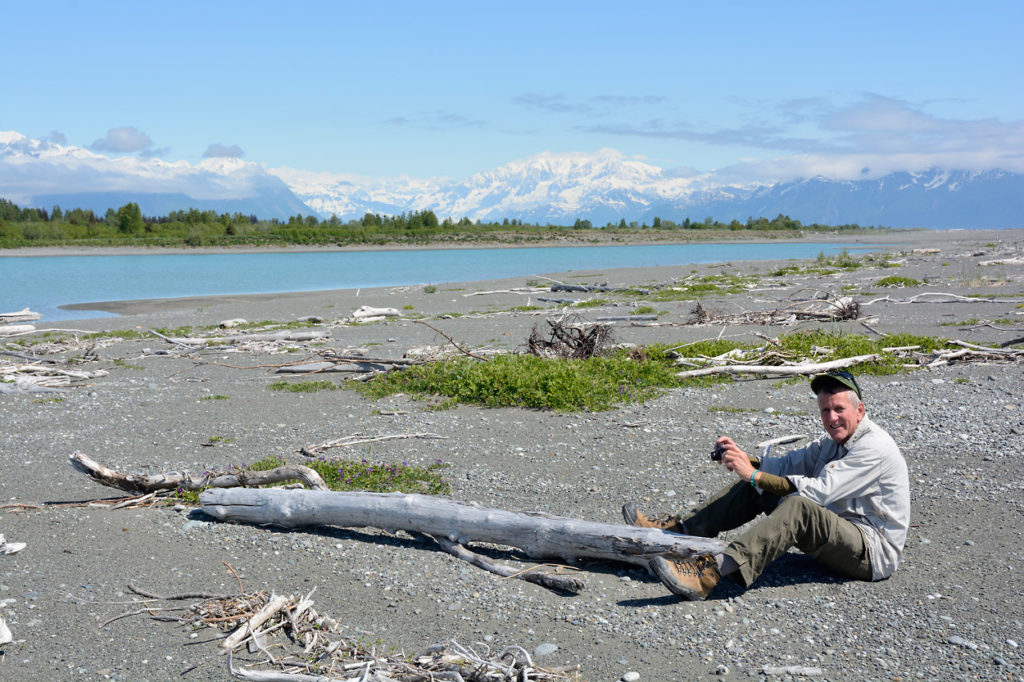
(193,227)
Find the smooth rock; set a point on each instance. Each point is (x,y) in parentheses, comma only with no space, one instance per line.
(545,649)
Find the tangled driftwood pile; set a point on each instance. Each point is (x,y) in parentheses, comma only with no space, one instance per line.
(823,308)
(295,642)
(41,376)
(569,337)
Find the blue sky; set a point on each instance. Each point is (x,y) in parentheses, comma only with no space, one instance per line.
(451,89)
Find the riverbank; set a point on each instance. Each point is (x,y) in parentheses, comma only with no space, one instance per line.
(949,612)
(601,237)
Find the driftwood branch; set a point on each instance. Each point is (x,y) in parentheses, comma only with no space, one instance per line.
(781,370)
(539,535)
(451,341)
(327,366)
(358,439)
(591,288)
(139,483)
(942,298)
(284,335)
(23,315)
(17,329)
(565,583)
(514,290)
(626,318)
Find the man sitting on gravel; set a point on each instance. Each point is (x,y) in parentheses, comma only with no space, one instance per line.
(844,499)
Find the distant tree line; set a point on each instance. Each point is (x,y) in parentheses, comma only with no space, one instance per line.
(193,227)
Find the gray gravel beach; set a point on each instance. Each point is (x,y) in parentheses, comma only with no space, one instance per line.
(952,611)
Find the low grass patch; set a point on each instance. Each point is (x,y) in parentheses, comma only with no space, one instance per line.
(302,386)
(214,397)
(593,303)
(971,321)
(708,284)
(644,310)
(728,409)
(126,334)
(897,281)
(121,362)
(213,440)
(347,475)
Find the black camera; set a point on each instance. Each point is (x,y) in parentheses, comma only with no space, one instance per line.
(716,455)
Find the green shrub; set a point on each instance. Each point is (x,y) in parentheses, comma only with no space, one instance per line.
(897,281)
(528,381)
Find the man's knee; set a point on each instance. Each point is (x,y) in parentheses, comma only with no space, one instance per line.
(795,505)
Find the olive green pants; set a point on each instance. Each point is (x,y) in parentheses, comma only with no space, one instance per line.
(791,521)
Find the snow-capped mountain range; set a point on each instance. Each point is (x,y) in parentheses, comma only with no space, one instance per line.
(601,187)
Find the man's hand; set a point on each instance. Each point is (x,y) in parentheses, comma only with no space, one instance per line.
(734,459)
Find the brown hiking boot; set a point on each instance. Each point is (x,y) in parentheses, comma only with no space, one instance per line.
(691,578)
(635,517)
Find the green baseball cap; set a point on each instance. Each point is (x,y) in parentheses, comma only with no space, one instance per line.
(838,376)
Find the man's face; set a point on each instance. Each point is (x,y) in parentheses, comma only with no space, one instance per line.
(838,415)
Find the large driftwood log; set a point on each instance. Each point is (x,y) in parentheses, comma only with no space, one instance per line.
(283,335)
(592,288)
(321,367)
(23,315)
(539,535)
(780,370)
(140,483)
(16,329)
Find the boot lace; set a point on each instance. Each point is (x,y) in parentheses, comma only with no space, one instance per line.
(695,566)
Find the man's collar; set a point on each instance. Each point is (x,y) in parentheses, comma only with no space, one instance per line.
(862,428)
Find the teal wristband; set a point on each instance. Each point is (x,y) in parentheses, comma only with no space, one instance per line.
(752,474)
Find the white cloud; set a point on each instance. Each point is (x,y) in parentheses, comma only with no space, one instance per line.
(123,140)
(814,136)
(30,167)
(218,150)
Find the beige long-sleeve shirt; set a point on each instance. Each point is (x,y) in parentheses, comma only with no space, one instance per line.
(864,481)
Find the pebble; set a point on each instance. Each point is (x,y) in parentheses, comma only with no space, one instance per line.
(631,676)
(960,641)
(545,648)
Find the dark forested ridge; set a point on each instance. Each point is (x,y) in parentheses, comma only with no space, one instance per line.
(127,226)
